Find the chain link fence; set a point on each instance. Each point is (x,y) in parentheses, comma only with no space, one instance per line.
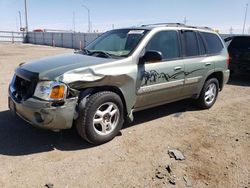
(56,39)
(12,37)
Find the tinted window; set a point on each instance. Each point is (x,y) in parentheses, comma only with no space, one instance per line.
(213,42)
(240,43)
(165,42)
(201,45)
(191,45)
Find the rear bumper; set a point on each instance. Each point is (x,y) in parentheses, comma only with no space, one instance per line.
(226,75)
(43,114)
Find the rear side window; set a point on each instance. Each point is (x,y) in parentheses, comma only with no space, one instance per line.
(165,42)
(240,43)
(191,44)
(213,42)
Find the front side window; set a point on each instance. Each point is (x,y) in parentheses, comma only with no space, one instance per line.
(190,44)
(119,42)
(165,42)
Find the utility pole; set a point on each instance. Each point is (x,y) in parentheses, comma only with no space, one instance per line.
(17,25)
(20,20)
(244,25)
(185,20)
(26,16)
(89,22)
(231,30)
(74,22)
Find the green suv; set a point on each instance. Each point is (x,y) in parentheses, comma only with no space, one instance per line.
(122,71)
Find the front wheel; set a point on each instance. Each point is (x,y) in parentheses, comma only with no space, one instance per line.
(209,93)
(102,117)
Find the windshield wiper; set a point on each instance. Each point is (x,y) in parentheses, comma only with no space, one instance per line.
(85,51)
(99,52)
(106,54)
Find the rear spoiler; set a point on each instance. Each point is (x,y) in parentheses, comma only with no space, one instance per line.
(228,39)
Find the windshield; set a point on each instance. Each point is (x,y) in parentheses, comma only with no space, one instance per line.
(119,43)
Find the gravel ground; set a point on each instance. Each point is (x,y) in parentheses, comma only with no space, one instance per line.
(215,142)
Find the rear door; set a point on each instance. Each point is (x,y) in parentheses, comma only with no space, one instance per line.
(195,61)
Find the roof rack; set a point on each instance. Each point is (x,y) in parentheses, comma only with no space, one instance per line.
(176,25)
(164,24)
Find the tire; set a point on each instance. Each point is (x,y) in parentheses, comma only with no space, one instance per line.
(101,119)
(207,99)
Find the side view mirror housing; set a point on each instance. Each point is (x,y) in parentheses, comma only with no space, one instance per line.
(151,57)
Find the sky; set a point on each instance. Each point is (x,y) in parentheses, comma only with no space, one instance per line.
(106,14)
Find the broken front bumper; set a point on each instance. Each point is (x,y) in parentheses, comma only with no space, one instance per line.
(43,114)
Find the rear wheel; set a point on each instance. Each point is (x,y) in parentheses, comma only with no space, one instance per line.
(102,117)
(209,93)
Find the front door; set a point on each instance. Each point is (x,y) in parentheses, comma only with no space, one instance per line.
(163,81)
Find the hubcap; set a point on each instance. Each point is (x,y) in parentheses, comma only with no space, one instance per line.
(106,118)
(210,93)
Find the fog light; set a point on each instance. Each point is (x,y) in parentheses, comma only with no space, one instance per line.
(39,118)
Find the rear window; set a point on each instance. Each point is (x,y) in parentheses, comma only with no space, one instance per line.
(240,43)
(214,44)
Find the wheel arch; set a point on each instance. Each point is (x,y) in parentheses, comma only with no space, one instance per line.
(90,91)
(219,76)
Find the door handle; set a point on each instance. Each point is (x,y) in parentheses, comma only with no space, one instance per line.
(177,68)
(208,64)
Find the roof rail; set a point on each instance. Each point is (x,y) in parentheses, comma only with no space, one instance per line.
(177,25)
(164,24)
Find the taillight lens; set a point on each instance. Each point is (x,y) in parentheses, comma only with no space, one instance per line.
(228,60)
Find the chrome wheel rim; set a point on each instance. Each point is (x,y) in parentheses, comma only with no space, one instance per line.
(106,118)
(210,93)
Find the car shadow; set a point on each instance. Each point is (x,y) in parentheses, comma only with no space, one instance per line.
(19,138)
(176,109)
(240,80)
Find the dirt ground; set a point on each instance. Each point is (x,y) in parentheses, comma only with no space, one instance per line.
(215,142)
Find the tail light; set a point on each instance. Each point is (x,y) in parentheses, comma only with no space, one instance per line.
(228,60)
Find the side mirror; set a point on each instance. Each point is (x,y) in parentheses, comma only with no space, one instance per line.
(152,57)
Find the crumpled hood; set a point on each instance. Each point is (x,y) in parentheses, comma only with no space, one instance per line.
(51,67)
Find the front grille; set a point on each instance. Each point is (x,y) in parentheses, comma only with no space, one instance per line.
(24,89)
(24,84)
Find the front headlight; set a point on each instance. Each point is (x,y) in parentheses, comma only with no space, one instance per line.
(51,91)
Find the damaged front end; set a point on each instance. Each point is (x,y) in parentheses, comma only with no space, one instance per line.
(49,98)
(44,104)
